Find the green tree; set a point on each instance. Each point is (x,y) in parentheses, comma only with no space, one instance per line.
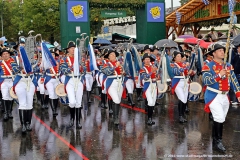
(42,16)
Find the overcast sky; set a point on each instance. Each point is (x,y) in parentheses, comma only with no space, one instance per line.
(175,3)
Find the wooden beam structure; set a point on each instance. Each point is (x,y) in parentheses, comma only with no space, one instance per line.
(196,11)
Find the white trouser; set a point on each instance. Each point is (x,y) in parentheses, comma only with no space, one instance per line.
(151,94)
(98,83)
(181,90)
(101,82)
(74,97)
(25,98)
(5,88)
(89,81)
(42,88)
(51,85)
(130,86)
(63,78)
(219,107)
(115,91)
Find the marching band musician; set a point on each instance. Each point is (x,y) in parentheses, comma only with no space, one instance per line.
(209,58)
(148,77)
(51,81)
(89,78)
(180,83)
(24,86)
(40,76)
(218,79)
(73,85)
(156,55)
(102,78)
(147,50)
(129,81)
(6,81)
(114,87)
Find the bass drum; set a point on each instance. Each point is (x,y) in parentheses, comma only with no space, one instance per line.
(195,90)
(60,91)
(162,87)
(12,94)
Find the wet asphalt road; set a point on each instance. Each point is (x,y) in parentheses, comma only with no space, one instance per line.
(132,140)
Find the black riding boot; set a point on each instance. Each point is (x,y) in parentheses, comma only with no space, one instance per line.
(139,91)
(186,108)
(38,97)
(210,116)
(28,119)
(89,96)
(78,116)
(55,102)
(183,111)
(72,116)
(180,111)
(42,100)
(22,120)
(116,108)
(103,101)
(99,91)
(5,107)
(130,99)
(218,132)
(10,106)
(150,113)
(46,100)
(146,105)
(52,106)
(110,106)
(214,137)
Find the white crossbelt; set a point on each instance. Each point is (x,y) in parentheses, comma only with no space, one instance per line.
(10,76)
(49,74)
(216,91)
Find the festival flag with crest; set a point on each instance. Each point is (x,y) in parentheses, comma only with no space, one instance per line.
(26,63)
(178,17)
(206,2)
(47,59)
(93,62)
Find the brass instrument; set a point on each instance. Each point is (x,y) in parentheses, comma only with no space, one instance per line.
(31,47)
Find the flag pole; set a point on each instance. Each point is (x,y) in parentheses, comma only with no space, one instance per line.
(228,38)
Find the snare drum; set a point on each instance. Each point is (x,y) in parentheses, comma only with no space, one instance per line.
(194,91)
(64,100)
(12,94)
(60,91)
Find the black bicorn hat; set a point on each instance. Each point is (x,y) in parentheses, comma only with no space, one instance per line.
(111,51)
(215,47)
(6,49)
(146,55)
(175,53)
(52,50)
(146,47)
(70,44)
(155,47)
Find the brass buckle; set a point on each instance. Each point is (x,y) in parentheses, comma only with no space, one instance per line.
(224,92)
